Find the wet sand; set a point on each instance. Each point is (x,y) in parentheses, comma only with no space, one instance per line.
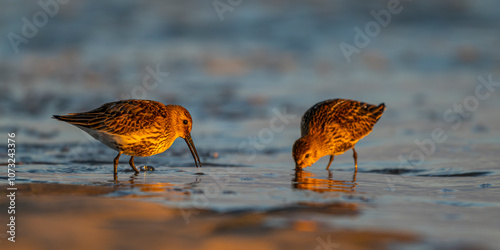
(57,216)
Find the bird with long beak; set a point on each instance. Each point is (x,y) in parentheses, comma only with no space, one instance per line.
(136,127)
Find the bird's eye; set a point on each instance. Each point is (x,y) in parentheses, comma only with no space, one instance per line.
(307,155)
(185,121)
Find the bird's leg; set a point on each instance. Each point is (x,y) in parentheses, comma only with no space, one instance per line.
(329,163)
(355,156)
(117,158)
(131,162)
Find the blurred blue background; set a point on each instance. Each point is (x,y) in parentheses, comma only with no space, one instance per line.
(234,62)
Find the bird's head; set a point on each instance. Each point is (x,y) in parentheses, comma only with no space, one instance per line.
(181,120)
(305,152)
(183,123)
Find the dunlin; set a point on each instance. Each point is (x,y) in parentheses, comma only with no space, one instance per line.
(136,127)
(332,127)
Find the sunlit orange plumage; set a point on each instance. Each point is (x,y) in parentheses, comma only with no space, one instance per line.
(136,127)
(332,127)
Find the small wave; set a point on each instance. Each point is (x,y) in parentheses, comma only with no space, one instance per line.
(467,204)
(430,173)
(457,174)
(394,171)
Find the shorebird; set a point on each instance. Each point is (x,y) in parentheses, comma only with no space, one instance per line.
(136,127)
(332,127)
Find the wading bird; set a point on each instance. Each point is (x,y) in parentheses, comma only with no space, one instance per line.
(332,127)
(136,127)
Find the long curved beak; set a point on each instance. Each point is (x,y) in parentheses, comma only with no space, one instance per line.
(189,142)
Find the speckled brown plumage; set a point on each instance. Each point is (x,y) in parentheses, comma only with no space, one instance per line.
(332,127)
(136,127)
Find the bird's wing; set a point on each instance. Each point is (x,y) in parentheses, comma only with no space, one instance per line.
(122,117)
(316,117)
(339,116)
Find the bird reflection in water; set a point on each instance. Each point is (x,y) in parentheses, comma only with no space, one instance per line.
(142,188)
(306,180)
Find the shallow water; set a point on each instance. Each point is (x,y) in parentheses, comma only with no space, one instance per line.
(450,199)
(247,81)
